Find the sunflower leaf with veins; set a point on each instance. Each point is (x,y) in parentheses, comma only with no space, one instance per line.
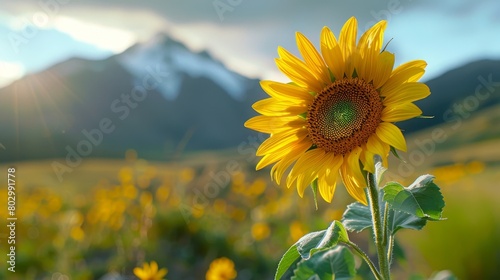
(422,198)
(309,245)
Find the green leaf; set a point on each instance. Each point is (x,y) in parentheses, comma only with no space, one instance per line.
(306,243)
(398,220)
(357,217)
(309,244)
(337,263)
(334,234)
(289,258)
(329,238)
(314,187)
(395,153)
(422,198)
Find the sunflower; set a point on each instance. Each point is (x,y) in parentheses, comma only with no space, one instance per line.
(150,272)
(338,111)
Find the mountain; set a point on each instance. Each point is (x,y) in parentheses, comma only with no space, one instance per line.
(177,60)
(158,98)
(459,93)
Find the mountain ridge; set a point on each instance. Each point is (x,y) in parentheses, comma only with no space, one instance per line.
(44,115)
(47,112)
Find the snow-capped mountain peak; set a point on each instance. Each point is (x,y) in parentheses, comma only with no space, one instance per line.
(177,60)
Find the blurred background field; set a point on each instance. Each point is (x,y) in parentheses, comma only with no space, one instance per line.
(124,121)
(110,215)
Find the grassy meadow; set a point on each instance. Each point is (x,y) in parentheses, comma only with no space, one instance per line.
(108,216)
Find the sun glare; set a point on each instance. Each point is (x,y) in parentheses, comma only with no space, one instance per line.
(9,72)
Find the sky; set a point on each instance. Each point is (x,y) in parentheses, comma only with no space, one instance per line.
(243,34)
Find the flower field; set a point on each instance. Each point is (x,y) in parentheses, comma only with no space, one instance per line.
(110,216)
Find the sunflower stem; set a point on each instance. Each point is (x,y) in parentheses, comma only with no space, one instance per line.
(365,257)
(378,226)
(385,227)
(390,249)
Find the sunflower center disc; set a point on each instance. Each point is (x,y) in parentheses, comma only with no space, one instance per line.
(344,115)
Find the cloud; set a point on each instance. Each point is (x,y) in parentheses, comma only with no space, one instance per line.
(44,48)
(113,39)
(246,33)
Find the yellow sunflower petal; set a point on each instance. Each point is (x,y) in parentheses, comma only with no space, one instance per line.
(352,177)
(297,70)
(320,161)
(373,38)
(407,76)
(374,146)
(312,58)
(391,135)
(332,54)
(352,162)
(400,112)
(353,190)
(277,155)
(335,162)
(368,161)
(304,167)
(294,75)
(347,43)
(295,148)
(273,107)
(327,182)
(385,63)
(267,124)
(266,160)
(304,179)
(369,47)
(281,140)
(279,168)
(406,93)
(419,64)
(327,190)
(287,92)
